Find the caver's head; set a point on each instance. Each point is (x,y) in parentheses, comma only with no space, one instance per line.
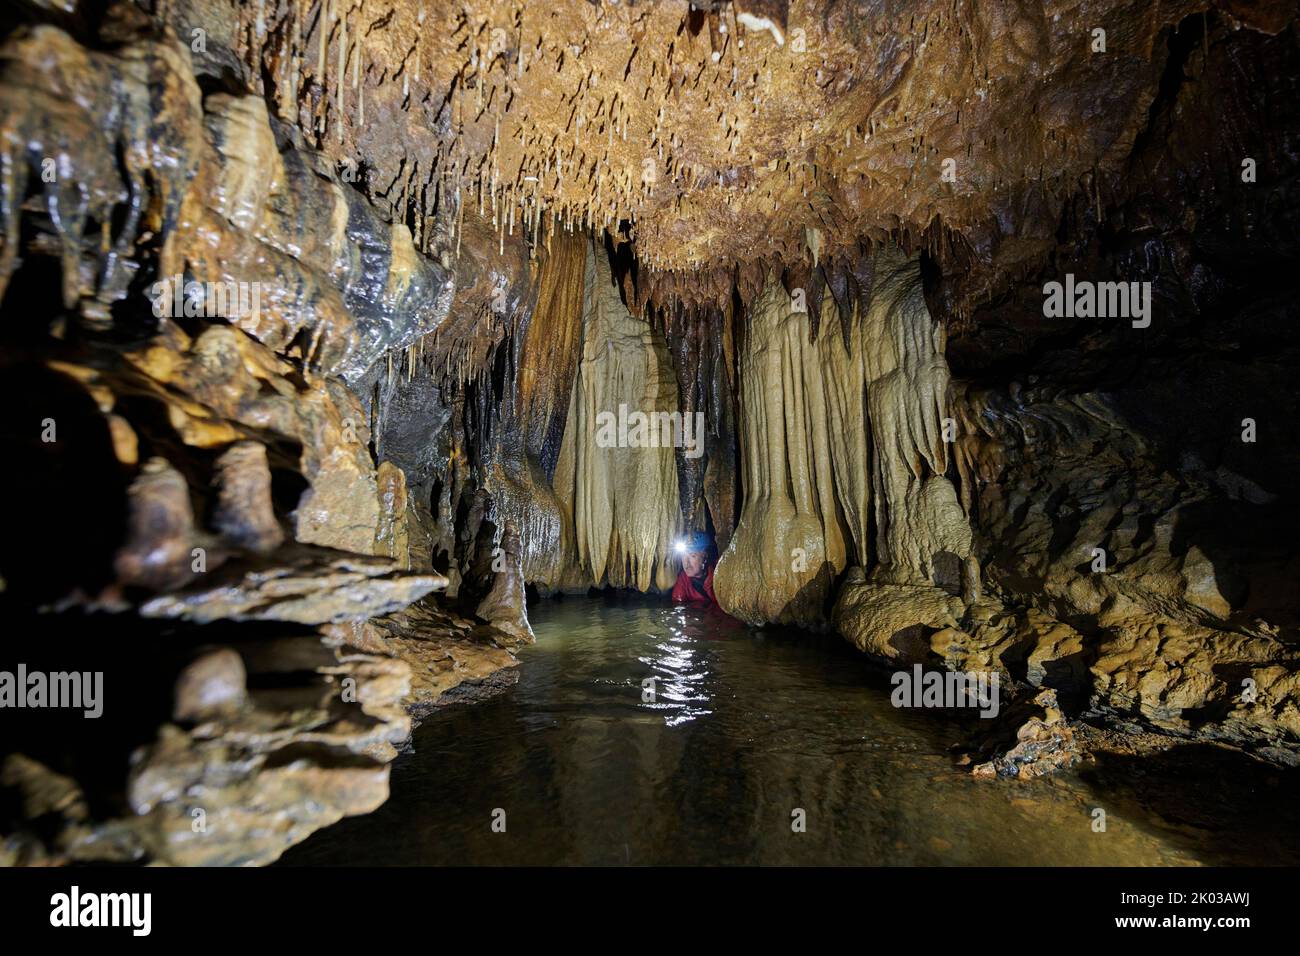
(694,552)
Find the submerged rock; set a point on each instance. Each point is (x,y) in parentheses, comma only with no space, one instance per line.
(1043,745)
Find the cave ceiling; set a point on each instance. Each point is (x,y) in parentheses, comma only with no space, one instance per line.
(724,138)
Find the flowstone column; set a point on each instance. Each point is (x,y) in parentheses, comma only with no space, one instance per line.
(842,438)
(789,544)
(622,495)
(923,535)
(918,515)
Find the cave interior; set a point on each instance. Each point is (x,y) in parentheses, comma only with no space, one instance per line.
(338,334)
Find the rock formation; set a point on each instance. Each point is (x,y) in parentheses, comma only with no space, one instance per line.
(842,437)
(615,475)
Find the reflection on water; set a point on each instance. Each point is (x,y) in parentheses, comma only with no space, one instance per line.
(742,729)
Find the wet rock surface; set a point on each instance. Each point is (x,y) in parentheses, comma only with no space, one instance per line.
(263,776)
(312,590)
(1042,745)
(451,659)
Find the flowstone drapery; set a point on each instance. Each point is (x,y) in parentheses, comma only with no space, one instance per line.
(623,500)
(842,447)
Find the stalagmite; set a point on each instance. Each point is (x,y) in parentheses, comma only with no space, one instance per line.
(244,514)
(505,606)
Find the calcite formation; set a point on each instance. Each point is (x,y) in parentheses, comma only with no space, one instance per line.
(332,331)
(255,779)
(621,495)
(843,437)
(244,513)
(725,131)
(788,545)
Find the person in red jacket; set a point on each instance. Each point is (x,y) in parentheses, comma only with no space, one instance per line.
(695,580)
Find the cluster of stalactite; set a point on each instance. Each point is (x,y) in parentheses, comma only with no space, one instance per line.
(720,133)
(244,352)
(307,265)
(348,293)
(702,344)
(841,443)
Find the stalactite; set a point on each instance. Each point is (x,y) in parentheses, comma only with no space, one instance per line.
(551,347)
(624,500)
(342,69)
(813,479)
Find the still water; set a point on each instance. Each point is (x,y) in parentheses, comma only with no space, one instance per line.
(747,727)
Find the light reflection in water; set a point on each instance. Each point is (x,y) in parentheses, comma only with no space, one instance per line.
(680,683)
